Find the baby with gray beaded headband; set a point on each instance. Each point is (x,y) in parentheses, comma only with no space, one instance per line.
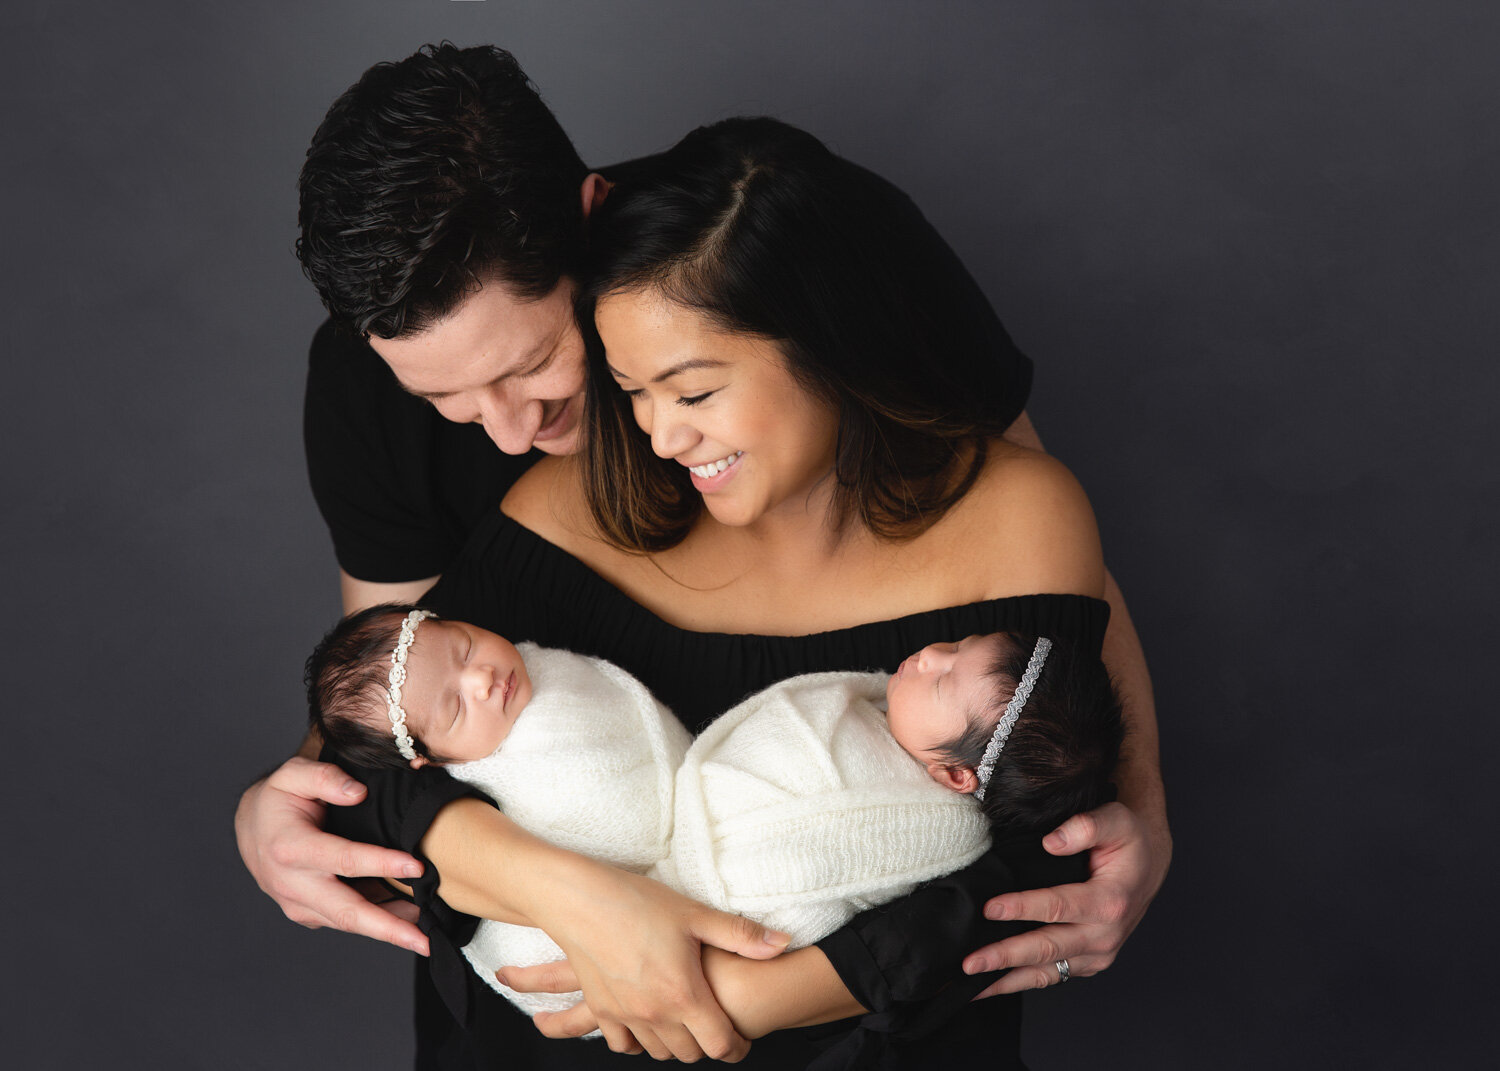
(799,807)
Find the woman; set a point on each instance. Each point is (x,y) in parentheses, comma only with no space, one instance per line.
(821,485)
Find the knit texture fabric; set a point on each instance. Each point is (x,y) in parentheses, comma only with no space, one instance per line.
(588,766)
(797,808)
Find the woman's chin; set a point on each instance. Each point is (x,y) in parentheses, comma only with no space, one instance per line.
(728,513)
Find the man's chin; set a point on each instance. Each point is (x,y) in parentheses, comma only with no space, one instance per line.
(561,446)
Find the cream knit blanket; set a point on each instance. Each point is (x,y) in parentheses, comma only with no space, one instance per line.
(588,766)
(796,807)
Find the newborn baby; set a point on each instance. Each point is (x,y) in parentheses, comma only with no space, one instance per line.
(800,806)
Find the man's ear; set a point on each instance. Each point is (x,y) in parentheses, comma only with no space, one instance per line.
(595,188)
(958,778)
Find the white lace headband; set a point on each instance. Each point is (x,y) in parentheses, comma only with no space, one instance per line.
(398,677)
(1012,711)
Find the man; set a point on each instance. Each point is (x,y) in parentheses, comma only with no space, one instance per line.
(442,213)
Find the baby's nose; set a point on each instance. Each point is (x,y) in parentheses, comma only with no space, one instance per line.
(935,656)
(480,679)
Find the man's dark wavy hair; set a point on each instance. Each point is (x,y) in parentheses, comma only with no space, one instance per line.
(429,176)
(1062,753)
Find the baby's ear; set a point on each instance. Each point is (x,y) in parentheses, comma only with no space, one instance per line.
(958,778)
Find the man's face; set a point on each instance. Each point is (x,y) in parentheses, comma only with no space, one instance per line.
(513,365)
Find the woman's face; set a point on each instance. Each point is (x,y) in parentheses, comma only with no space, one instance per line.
(465,687)
(723,405)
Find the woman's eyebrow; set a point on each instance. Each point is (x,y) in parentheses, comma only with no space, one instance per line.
(692,364)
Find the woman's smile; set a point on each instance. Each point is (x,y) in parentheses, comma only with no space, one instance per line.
(714,475)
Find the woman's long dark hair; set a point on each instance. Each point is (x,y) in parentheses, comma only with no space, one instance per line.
(758,226)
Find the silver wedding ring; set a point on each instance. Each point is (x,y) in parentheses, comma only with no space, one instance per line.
(1063,974)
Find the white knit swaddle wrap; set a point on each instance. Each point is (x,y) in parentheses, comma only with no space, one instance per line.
(797,808)
(588,766)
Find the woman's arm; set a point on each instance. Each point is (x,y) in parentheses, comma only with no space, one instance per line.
(633,944)
(798,988)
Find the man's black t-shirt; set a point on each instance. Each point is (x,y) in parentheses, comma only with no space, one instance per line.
(400,488)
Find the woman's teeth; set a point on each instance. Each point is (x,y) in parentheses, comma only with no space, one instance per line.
(713,468)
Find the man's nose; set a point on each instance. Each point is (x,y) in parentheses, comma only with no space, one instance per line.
(510,423)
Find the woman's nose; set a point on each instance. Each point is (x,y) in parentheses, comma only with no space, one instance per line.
(670,434)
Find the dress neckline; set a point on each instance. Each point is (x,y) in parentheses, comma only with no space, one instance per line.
(567,560)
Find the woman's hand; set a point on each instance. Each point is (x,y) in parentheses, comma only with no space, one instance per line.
(635,949)
(796,989)
(1087,923)
(279,829)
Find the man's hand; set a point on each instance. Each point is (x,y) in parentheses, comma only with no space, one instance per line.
(1088,923)
(279,829)
(635,951)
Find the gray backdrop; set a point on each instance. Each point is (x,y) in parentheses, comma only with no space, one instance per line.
(1251,246)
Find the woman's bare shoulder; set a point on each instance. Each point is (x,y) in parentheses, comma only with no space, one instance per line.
(549,501)
(1027,514)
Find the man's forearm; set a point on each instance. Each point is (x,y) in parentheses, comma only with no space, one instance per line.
(1139,773)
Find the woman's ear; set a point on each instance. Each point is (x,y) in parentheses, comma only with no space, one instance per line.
(595,188)
(418,762)
(958,778)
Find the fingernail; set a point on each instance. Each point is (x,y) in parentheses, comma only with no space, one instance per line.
(418,947)
(1057,839)
(777,939)
(411,870)
(352,787)
(994,912)
(973,966)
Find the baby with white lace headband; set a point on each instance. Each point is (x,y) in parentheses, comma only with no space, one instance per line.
(814,775)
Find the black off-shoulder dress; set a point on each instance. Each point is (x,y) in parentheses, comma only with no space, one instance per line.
(901,960)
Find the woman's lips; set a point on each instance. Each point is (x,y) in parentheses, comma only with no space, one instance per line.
(705,485)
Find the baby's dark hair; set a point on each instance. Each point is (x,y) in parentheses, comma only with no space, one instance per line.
(1062,752)
(346,676)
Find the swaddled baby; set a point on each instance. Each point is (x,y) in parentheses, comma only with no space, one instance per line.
(800,806)
(590,766)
